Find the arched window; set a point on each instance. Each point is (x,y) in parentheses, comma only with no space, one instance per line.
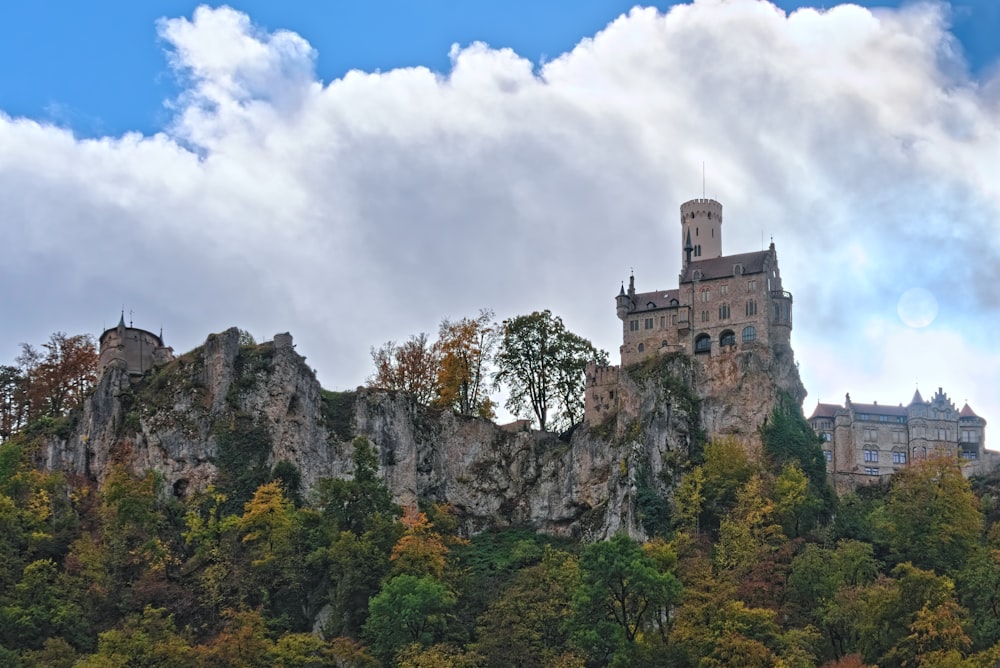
(749,334)
(727,338)
(703,343)
(642,347)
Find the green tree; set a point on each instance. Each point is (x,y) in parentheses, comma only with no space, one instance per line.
(542,363)
(622,592)
(931,517)
(527,625)
(355,504)
(146,640)
(407,610)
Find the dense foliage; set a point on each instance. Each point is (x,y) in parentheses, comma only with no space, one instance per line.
(753,563)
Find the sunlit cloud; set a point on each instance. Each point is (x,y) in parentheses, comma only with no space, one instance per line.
(371,207)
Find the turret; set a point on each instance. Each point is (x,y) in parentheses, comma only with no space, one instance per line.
(621,303)
(625,300)
(701,228)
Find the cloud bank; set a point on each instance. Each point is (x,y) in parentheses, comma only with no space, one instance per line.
(371,207)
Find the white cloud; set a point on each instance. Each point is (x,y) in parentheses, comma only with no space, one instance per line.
(371,207)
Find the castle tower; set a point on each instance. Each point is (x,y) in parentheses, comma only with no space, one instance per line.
(701,229)
(131,348)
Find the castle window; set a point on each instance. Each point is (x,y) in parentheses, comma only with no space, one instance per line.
(828,454)
(751,307)
(663,321)
(697,274)
(751,285)
(706,294)
(704,316)
(723,289)
(724,312)
(898,457)
(703,343)
(650,305)
(871,434)
(749,334)
(898,437)
(642,347)
(727,338)
(827,436)
(871,470)
(969,436)
(883,418)
(737,269)
(648,324)
(871,456)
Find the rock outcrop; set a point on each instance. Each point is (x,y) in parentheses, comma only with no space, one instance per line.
(227,409)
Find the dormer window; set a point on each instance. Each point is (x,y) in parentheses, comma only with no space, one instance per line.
(697,274)
(650,305)
(737,269)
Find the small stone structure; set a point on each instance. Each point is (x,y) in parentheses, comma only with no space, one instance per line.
(133,349)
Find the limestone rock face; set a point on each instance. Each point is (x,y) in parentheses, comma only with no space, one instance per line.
(226,405)
(740,389)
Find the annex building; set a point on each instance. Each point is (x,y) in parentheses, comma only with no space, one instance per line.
(866,441)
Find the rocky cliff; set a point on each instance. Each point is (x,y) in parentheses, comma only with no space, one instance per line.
(232,412)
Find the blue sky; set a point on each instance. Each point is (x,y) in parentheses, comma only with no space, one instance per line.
(339,171)
(99,68)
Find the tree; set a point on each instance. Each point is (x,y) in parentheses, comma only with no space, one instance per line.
(466,348)
(542,363)
(408,610)
(149,640)
(932,518)
(59,377)
(12,402)
(527,625)
(410,367)
(621,591)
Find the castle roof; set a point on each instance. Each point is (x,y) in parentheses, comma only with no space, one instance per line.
(648,301)
(917,399)
(824,411)
(722,267)
(967,411)
(879,409)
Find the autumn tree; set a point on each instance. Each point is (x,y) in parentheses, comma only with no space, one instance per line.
(58,376)
(466,348)
(542,364)
(410,367)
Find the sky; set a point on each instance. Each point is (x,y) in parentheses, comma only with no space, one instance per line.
(357,172)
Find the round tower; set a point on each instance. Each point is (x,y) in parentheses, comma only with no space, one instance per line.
(701,223)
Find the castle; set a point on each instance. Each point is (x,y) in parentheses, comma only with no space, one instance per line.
(865,441)
(135,350)
(726,306)
(722,304)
